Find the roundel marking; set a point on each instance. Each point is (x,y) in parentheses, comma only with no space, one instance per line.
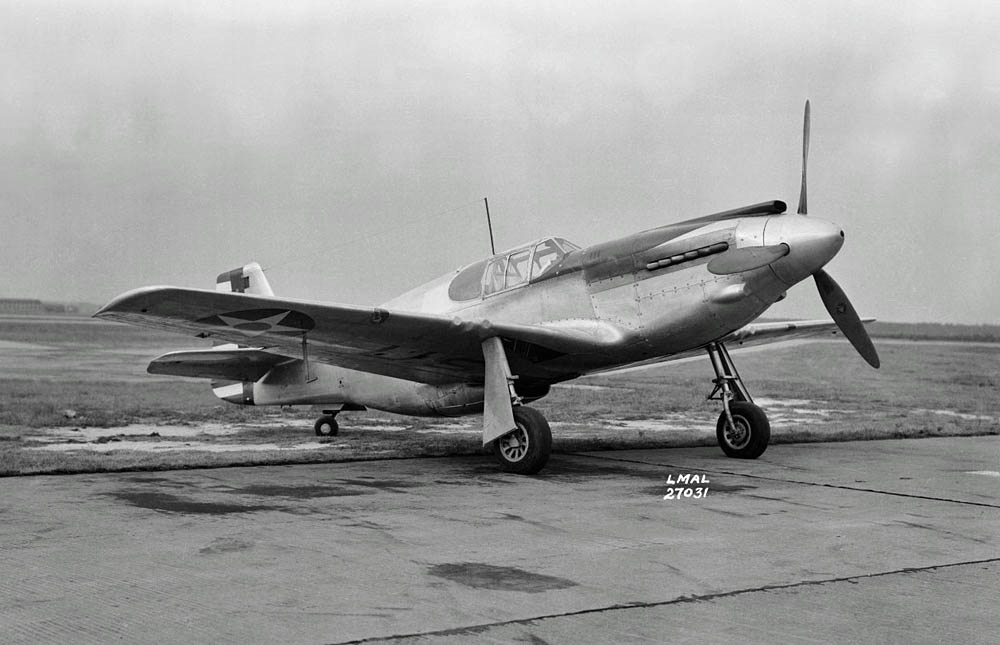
(254,322)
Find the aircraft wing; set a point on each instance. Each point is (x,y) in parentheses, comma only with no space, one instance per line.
(773,332)
(761,333)
(420,347)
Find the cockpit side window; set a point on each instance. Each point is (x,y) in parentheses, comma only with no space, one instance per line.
(517,268)
(493,280)
(514,269)
(547,253)
(566,245)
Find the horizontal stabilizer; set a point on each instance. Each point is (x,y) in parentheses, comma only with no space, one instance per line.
(238,364)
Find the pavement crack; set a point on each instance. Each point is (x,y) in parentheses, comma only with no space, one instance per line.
(481,627)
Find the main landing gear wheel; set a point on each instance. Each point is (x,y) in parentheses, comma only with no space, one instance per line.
(524,451)
(326,426)
(743,430)
(749,433)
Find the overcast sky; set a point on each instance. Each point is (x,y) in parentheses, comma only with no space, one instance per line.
(347,146)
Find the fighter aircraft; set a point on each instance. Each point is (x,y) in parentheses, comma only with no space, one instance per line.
(496,335)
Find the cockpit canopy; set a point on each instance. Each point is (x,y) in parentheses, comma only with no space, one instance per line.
(509,269)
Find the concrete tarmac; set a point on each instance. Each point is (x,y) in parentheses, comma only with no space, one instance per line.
(882,541)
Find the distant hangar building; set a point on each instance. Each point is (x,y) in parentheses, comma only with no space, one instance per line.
(21,306)
(33,306)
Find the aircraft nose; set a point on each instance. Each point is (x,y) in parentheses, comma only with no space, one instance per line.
(811,244)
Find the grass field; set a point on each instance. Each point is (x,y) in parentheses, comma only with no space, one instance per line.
(75,397)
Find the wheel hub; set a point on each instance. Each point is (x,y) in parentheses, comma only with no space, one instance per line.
(514,445)
(738,433)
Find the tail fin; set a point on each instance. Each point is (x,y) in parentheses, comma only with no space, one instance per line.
(247,279)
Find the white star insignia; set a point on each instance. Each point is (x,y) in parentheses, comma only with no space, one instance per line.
(271,324)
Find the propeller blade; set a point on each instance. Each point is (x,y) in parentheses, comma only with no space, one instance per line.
(805,159)
(843,314)
(746,259)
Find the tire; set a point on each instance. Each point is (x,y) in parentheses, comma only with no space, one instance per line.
(326,427)
(752,433)
(524,451)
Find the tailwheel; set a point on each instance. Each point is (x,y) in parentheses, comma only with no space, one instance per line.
(326,426)
(526,449)
(747,435)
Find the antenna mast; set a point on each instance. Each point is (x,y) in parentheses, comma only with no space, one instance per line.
(489,223)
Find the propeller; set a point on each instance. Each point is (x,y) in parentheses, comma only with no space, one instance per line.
(842,312)
(834,298)
(805,161)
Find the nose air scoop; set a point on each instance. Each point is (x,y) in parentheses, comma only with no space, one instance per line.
(811,242)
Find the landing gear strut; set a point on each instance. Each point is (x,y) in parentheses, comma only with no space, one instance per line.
(326,425)
(519,435)
(743,430)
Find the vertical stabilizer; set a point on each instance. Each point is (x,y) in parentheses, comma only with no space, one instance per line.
(249,278)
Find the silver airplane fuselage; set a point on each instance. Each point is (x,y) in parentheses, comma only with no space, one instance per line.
(647,297)
(659,311)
